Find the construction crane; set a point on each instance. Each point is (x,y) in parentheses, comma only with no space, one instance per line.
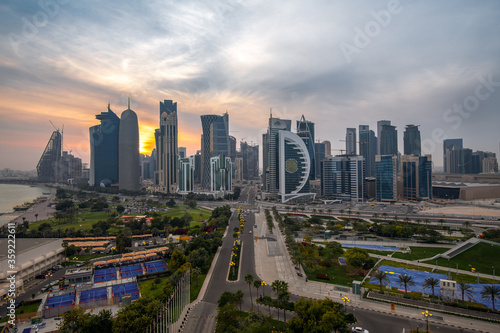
(62,136)
(355,141)
(341,151)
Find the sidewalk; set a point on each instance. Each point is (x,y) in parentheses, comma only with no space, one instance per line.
(280,267)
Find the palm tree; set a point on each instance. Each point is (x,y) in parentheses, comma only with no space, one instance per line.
(238,297)
(384,214)
(405,280)
(195,273)
(249,280)
(465,288)
(281,290)
(382,278)
(467,224)
(431,283)
(441,221)
(491,292)
(257,284)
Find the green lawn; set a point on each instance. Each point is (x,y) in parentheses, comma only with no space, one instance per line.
(195,290)
(420,253)
(483,257)
(149,288)
(337,273)
(30,308)
(198,213)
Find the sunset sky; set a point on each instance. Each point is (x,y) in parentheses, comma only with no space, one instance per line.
(339,63)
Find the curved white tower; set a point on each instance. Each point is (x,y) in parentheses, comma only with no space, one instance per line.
(128,151)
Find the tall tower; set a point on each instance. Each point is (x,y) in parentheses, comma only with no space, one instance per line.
(305,130)
(215,141)
(272,161)
(411,140)
(128,151)
(104,149)
(368,148)
(388,140)
(167,147)
(380,123)
(350,142)
(451,151)
(48,168)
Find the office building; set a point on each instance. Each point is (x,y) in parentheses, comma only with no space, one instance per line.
(386,175)
(167,148)
(448,146)
(182,151)
(250,156)
(319,155)
(350,142)
(294,167)
(388,140)
(416,172)
(238,169)
(271,162)
(197,167)
(368,149)
(380,124)
(411,140)
(215,141)
(70,167)
(128,151)
(186,174)
(104,149)
(328,148)
(305,130)
(221,174)
(342,177)
(232,147)
(484,162)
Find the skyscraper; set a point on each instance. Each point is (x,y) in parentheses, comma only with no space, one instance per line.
(417,177)
(368,149)
(305,130)
(380,123)
(48,167)
(250,155)
(388,140)
(350,141)
(128,151)
(182,152)
(271,149)
(448,146)
(342,177)
(167,147)
(221,169)
(104,149)
(328,148)
(186,174)
(215,141)
(319,155)
(386,174)
(411,140)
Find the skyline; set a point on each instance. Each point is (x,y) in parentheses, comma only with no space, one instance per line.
(64,61)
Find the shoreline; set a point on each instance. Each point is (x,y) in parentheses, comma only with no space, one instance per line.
(42,210)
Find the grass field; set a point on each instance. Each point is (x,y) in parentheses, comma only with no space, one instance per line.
(198,213)
(30,308)
(420,253)
(483,257)
(337,273)
(149,288)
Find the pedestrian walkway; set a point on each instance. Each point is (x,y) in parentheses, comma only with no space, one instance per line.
(281,268)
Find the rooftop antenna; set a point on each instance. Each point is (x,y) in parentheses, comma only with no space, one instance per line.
(109,105)
(129,103)
(271,112)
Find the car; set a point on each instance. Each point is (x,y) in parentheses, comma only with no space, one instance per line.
(80,264)
(359,330)
(250,232)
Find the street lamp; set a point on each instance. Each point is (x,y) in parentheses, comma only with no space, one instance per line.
(49,275)
(345,299)
(427,314)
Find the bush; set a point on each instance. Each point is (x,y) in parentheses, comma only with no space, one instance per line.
(322,276)
(325,264)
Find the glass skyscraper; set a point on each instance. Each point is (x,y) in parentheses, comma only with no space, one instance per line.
(342,177)
(104,149)
(417,177)
(215,141)
(411,140)
(305,130)
(368,149)
(386,187)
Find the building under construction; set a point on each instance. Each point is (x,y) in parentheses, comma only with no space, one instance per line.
(48,168)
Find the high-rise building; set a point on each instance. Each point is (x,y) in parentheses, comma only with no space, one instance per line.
(238,169)
(293,167)
(197,167)
(271,149)
(380,123)
(368,149)
(386,174)
(186,174)
(221,174)
(70,167)
(489,165)
(104,149)
(350,142)
(250,155)
(128,151)
(388,140)
(319,155)
(342,177)
(328,148)
(232,147)
(182,152)
(417,177)
(411,140)
(305,130)
(265,162)
(448,146)
(48,167)
(167,147)
(215,141)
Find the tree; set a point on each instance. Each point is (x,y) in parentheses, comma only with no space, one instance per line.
(281,290)
(382,278)
(36,217)
(122,242)
(249,281)
(176,261)
(227,319)
(491,292)
(238,297)
(195,273)
(467,224)
(405,280)
(78,321)
(431,283)
(319,316)
(257,284)
(120,209)
(465,288)
(334,248)
(356,257)
(138,316)
(74,320)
